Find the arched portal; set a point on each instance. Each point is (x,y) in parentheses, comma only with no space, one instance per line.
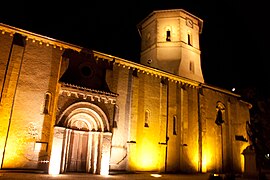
(83,136)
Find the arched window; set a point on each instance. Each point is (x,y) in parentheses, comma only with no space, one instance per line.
(220,107)
(168,35)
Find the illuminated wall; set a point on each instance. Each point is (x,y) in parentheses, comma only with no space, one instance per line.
(22,100)
(152,119)
(219,141)
(150,129)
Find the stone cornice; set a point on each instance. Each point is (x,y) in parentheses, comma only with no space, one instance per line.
(249,105)
(145,69)
(220,90)
(85,93)
(200,21)
(36,38)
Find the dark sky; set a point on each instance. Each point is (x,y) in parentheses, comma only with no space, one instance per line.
(234,40)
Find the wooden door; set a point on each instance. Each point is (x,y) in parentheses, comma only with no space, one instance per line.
(77,154)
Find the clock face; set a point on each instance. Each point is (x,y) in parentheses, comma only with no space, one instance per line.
(189,23)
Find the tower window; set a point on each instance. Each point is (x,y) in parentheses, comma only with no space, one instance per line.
(189,39)
(168,35)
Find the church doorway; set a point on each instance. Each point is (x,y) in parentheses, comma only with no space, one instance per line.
(82,136)
(83,151)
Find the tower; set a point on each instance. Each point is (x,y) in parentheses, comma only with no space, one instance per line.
(170,42)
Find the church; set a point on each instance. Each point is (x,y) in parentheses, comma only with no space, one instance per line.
(66,108)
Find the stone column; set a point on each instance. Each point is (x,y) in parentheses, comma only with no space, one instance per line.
(56,153)
(105,153)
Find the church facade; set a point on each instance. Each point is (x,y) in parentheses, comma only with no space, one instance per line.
(65,108)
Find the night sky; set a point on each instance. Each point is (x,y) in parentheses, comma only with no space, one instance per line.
(234,41)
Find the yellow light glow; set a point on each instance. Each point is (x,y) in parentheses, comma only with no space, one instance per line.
(147,156)
(56,152)
(156,175)
(11,155)
(16,149)
(146,160)
(207,158)
(195,159)
(204,164)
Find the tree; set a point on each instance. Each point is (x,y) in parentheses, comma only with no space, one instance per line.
(258,128)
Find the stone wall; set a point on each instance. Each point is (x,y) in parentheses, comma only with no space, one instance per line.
(32,72)
(221,152)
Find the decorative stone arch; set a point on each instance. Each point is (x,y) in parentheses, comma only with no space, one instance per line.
(86,126)
(220,108)
(91,117)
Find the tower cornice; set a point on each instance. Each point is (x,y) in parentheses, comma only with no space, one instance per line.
(200,21)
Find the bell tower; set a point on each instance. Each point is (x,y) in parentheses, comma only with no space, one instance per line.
(170,42)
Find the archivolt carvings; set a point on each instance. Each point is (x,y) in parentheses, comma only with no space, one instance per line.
(80,124)
(84,116)
(220,106)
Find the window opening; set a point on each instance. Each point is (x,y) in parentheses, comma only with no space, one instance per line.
(220,110)
(174,125)
(189,39)
(191,66)
(168,36)
(146,120)
(47,103)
